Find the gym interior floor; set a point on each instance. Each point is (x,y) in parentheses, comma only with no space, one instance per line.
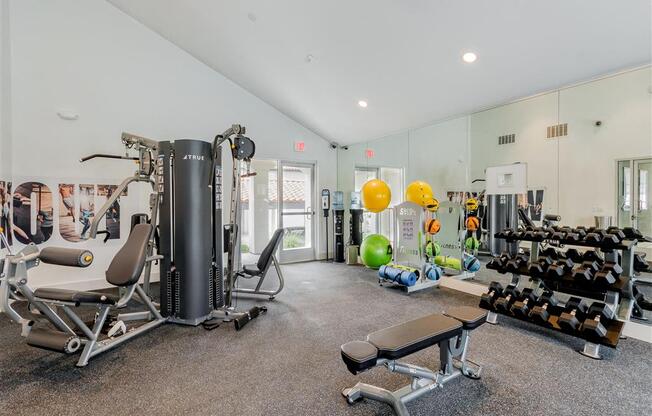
(288,362)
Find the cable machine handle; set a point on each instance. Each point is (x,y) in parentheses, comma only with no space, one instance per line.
(105,156)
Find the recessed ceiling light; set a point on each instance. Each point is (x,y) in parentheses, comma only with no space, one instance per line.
(362,103)
(469,57)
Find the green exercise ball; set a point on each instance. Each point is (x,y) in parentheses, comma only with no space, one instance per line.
(375,251)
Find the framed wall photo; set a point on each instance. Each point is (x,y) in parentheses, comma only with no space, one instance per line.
(5,212)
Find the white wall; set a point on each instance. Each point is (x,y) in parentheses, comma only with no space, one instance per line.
(89,57)
(578,171)
(5,92)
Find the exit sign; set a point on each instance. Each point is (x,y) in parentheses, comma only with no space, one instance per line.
(369,153)
(299,146)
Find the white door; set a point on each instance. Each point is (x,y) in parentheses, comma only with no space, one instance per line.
(634,192)
(296,190)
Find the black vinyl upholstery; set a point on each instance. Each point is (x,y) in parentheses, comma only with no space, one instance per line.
(128,263)
(66,256)
(404,339)
(399,341)
(73,296)
(470,317)
(266,256)
(359,356)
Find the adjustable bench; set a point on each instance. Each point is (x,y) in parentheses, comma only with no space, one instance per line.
(450,331)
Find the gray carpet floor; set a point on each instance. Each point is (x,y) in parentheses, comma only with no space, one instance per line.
(288,363)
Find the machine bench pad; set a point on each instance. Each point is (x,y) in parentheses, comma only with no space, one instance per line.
(359,356)
(404,339)
(65,295)
(470,317)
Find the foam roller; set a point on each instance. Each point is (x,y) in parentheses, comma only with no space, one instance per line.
(66,256)
(401,276)
(53,340)
(448,262)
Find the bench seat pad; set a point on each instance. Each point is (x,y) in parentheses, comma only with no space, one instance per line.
(470,317)
(359,356)
(65,295)
(404,339)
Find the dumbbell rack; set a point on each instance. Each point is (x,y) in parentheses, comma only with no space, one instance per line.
(618,296)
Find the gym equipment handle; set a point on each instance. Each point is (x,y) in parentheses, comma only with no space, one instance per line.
(105,156)
(66,256)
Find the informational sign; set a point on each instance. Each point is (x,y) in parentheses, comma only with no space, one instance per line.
(299,146)
(369,153)
(409,220)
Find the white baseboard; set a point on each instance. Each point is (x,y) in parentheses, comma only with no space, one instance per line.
(638,331)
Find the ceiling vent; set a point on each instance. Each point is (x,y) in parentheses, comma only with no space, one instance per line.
(558,130)
(506,139)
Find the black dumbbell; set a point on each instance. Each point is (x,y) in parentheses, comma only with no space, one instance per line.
(574,313)
(595,237)
(597,317)
(608,275)
(487,299)
(559,234)
(550,252)
(497,263)
(509,296)
(640,264)
(541,312)
(611,239)
(515,264)
(581,232)
(632,233)
(617,232)
(592,255)
(573,254)
(539,268)
(586,271)
(558,270)
(521,308)
(504,233)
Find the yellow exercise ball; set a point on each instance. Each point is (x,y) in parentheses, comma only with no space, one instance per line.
(376,195)
(419,192)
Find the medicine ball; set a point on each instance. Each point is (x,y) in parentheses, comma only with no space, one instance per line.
(433,226)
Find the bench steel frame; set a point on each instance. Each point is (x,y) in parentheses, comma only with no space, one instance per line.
(257,291)
(453,363)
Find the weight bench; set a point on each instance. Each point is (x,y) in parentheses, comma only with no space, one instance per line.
(259,270)
(450,331)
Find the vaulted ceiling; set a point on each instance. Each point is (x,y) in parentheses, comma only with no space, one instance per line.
(315,59)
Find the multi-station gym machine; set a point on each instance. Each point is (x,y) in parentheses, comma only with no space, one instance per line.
(187,201)
(186,178)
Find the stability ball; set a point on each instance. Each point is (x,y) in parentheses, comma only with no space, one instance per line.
(419,192)
(376,195)
(375,251)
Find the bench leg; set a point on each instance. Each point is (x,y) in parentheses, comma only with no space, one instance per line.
(362,390)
